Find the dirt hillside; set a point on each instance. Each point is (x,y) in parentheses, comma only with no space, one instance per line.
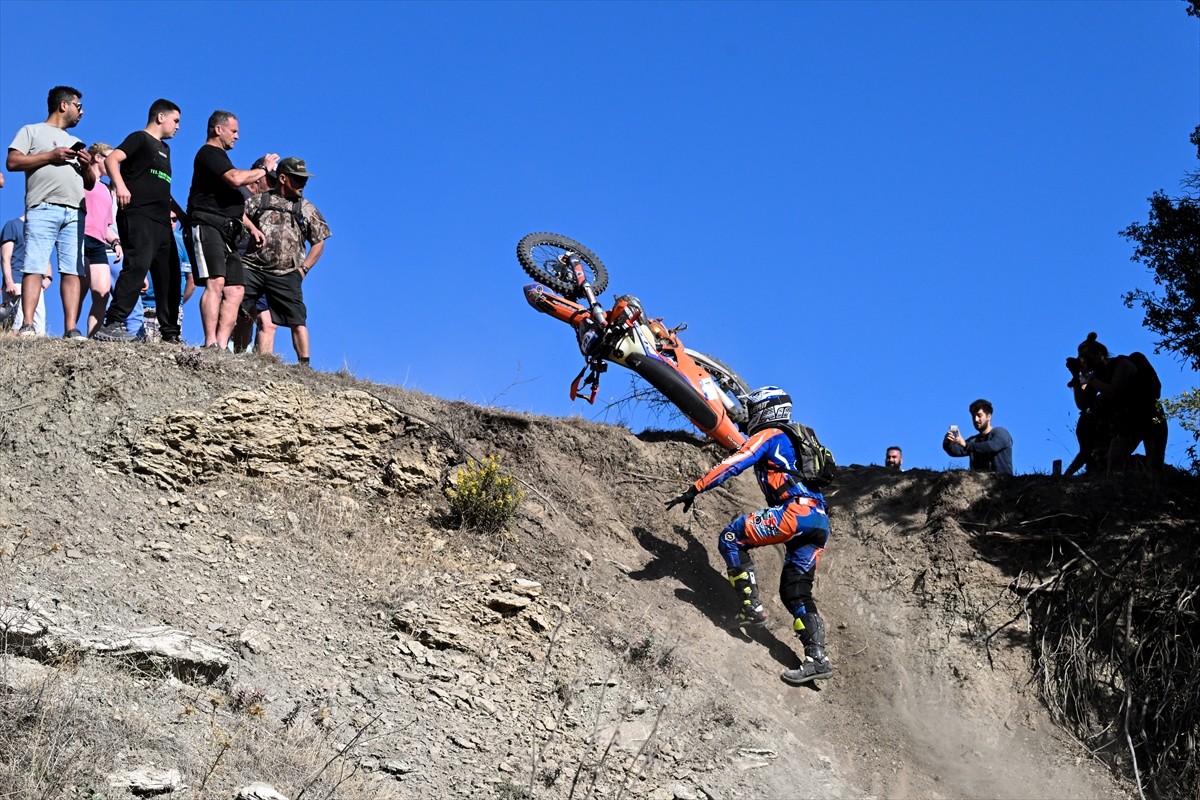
(224,577)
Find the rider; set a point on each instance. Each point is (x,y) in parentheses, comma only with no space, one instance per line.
(795,518)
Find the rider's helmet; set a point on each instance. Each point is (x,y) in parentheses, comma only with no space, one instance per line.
(767,406)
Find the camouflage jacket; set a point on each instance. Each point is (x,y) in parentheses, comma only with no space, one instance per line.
(287,225)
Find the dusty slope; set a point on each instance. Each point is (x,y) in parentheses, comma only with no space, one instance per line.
(296,520)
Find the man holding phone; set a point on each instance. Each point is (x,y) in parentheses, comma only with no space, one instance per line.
(56,167)
(989,450)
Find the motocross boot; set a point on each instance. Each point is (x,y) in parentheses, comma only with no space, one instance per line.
(751,613)
(811,630)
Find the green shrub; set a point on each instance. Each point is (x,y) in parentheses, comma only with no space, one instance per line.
(483,497)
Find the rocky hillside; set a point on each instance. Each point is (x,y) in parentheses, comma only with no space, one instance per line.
(223,577)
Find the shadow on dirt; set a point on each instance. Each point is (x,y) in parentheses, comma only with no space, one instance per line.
(703,587)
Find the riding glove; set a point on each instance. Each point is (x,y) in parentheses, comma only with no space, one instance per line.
(686,498)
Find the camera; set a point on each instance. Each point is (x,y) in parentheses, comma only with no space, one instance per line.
(1074,365)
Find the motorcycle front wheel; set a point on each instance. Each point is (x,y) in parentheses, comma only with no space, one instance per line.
(730,383)
(539,256)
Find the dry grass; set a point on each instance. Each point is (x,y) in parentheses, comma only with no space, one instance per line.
(57,742)
(53,741)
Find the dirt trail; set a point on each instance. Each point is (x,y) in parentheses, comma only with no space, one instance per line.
(587,653)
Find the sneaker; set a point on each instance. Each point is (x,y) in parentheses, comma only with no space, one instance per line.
(74,333)
(808,671)
(114,332)
(27,330)
(172,339)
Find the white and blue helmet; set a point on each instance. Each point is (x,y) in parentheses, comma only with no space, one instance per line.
(767,406)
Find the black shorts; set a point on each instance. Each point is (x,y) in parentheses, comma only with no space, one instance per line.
(284,296)
(214,256)
(94,251)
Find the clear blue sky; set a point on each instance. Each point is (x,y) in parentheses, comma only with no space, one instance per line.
(889,209)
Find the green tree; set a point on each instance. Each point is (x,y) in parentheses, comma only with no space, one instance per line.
(1169,244)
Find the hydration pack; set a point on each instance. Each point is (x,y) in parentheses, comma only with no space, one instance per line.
(1146,378)
(815,466)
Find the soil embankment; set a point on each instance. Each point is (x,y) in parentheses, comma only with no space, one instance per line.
(335,636)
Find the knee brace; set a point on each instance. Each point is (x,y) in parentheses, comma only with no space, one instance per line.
(795,590)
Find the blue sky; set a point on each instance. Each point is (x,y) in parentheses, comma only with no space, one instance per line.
(889,209)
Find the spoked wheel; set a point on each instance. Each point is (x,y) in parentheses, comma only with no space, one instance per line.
(730,382)
(539,256)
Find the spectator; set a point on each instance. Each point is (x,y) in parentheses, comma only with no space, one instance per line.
(140,171)
(55,164)
(243,331)
(279,265)
(894,458)
(133,323)
(100,235)
(12,260)
(795,517)
(150,331)
(1130,386)
(990,450)
(1093,430)
(216,210)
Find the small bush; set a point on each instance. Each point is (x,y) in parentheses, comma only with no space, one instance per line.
(484,498)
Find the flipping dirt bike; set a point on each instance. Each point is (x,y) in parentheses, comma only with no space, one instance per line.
(705,390)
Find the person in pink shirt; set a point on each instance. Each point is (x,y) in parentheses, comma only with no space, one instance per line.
(100,231)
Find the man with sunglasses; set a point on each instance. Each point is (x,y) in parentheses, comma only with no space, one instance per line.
(56,166)
(276,267)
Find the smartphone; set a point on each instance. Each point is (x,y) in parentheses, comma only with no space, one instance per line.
(954,429)
(78,146)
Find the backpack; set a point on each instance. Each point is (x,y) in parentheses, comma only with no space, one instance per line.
(294,209)
(1147,378)
(815,466)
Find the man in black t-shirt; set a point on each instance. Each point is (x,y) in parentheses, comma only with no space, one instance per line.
(217,213)
(140,171)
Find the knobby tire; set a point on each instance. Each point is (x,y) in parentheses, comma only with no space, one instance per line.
(538,254)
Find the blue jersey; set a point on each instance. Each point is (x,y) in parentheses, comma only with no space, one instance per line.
(773,457)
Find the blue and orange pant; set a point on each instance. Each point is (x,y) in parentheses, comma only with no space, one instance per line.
(802,526)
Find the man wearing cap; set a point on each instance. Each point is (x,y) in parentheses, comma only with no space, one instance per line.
(276,267)
(216,211)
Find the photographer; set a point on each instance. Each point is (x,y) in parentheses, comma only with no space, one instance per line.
(1128,387)
(1093,430)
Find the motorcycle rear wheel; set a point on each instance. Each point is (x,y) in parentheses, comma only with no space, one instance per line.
(538,254)
(730,382)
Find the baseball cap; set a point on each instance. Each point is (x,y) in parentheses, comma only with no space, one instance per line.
(293,166)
